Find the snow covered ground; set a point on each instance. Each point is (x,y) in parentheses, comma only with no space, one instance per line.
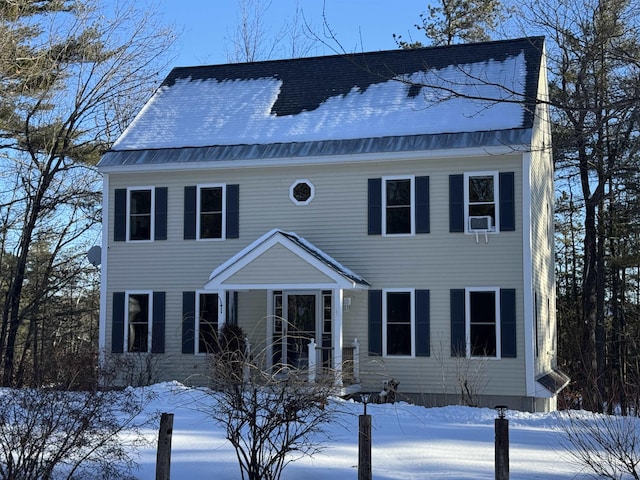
(409,443)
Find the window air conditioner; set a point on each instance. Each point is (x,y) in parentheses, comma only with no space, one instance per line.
(480,223)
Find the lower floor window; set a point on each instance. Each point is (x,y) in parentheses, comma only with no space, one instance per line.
(398,323)
(138,322)
(207,322)
(483,323)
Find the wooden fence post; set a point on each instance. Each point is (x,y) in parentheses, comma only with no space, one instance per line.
(163,458)
(364,446)
(502,445)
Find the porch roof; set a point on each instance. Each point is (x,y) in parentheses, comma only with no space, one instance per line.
(282,260)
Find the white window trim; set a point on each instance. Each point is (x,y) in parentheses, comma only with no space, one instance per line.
(412,180)
(311,187)
(199,188)
(413,321)
(127,294)
(153,216)
(220,306)
(467,320)
(496,199)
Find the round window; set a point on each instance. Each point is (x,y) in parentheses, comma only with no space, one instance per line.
(301,192)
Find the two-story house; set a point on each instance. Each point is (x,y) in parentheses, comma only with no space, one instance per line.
(385,215)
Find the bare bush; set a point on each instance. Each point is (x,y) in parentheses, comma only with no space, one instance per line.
(136,369)
(608,446)
(55,434)
(271,416)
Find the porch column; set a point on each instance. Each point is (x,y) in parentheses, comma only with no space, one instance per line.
(336,302)
(222,308)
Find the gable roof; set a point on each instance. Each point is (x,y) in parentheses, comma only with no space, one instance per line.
(333,273)
(457,96)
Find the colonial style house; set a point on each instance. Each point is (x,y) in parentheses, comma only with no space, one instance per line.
(379,215)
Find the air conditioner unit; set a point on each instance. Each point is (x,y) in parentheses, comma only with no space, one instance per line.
(480,223)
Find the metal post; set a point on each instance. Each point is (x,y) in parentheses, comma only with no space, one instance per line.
(502,444)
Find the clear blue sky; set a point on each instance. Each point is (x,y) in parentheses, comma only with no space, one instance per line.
(360,25)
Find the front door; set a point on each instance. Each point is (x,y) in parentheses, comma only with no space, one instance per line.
(295,324)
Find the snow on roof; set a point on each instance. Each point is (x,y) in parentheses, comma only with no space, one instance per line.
(401,93)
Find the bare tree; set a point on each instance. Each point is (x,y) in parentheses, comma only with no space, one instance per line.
(72,75)
(253,38)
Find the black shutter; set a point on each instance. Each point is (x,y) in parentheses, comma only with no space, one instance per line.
(188,321)
(423,334)
(161,214)
(375,322)
(508,323)
(190,213)
(157,329)
(458,336)
(117,323)
(120,215)
(422,205)
(456,203)
(233,211)
(375,206)
(507,202)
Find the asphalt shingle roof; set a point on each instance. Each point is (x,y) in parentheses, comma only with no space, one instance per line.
(455,96)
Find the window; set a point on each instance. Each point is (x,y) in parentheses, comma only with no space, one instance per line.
(398,205)
(483,322)
(140,220)
(301,192)
(138,322)
(481,200)
(207,325)
(211,200)
(398,329)
(398,201)
(211,212)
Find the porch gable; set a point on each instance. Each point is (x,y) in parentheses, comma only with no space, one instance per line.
(282,260)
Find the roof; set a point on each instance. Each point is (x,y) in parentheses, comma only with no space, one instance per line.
(554,380)
(299,248)
(478,94)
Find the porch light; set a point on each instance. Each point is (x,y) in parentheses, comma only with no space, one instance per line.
(346,303)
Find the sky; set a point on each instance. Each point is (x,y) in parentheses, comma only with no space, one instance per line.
(408,442)
(359,25)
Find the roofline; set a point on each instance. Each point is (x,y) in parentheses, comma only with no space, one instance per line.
(186,70)
(415,147)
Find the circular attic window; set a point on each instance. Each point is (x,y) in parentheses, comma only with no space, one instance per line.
(301,192)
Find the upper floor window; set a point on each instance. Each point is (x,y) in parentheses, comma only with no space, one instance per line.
(138,322)
(398,206)
(211,211)
(483,322)
(140,214)
(481,201)
(301,192)
(139,217)
(211,207)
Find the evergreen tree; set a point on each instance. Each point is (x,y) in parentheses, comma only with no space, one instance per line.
(457,21)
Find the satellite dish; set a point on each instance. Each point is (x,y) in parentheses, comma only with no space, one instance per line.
(94,255)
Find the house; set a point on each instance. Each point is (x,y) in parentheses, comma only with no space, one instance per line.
(385,215)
